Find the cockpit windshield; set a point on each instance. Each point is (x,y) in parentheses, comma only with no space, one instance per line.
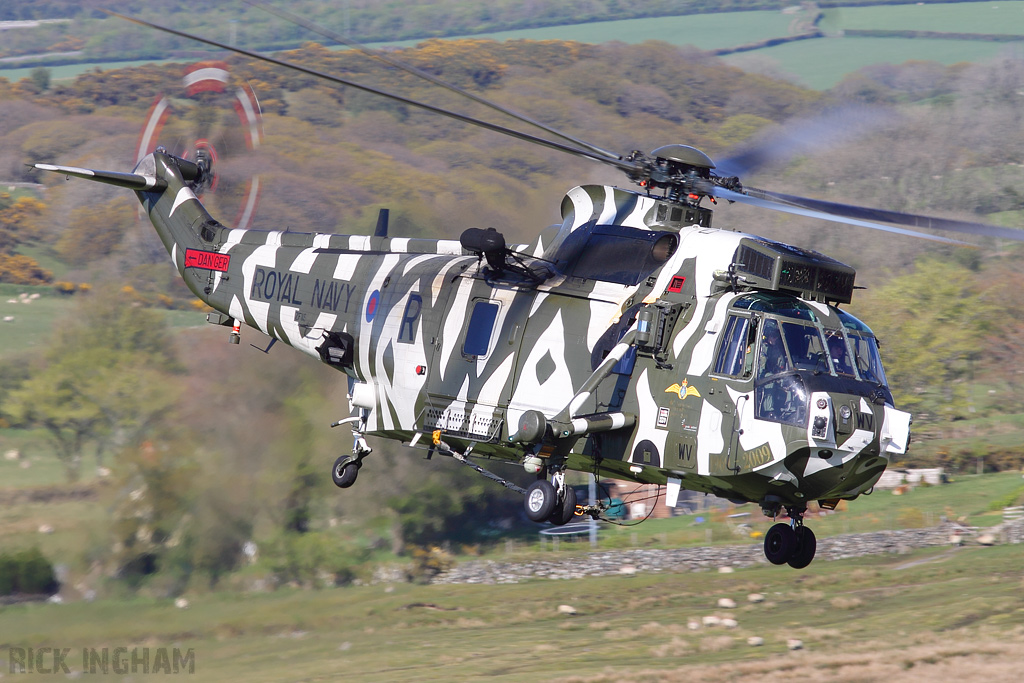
(839,353)
(865,349)
(798,352)
(788,345)
(805,345)
(869,362)
(772,359)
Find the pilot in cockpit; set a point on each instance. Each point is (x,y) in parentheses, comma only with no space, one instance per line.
(773,354)
(838,352)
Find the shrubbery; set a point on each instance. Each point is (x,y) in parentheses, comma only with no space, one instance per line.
(26,572)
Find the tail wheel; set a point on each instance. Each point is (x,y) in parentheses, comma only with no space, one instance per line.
(540,500)
(779,543)
(345,471)
(806,545)
(566,509)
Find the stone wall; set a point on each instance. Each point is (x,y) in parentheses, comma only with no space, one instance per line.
(606,563)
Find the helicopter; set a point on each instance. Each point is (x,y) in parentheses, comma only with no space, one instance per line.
(632,339)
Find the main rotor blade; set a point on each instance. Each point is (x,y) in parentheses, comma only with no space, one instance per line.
(803,135)
(619,163)
(387,59)
(896,217)
(765,203)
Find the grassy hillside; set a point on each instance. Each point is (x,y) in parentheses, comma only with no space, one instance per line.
(31,320)
(920,617)
(706,31)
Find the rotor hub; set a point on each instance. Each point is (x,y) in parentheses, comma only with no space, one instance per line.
(683,156)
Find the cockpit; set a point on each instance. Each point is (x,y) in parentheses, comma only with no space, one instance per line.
(789,350)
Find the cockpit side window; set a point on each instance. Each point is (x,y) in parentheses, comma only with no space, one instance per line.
(736,356)
(782,399)
(865,354)
(839,353)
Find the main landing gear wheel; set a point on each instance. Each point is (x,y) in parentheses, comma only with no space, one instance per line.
(345,471)
(780,543)
(806,545)
(784,544)
(540,500)
(566,510)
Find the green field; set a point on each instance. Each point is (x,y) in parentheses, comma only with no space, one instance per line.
(819,63)
(706,31)
(69,71)
(32,324)
(928,614)
(822,63)
(1005,18)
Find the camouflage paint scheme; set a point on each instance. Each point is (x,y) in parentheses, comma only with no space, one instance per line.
(556,345)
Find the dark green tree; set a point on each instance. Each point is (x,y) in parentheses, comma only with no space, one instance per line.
(106,382)
(929,322)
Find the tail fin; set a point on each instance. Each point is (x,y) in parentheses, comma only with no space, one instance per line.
(164,184)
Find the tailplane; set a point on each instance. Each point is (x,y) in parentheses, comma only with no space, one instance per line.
(132,181)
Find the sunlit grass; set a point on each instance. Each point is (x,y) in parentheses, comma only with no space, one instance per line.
(855,619)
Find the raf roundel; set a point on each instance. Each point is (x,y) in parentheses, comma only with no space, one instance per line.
(371,305)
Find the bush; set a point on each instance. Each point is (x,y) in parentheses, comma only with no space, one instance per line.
(27,572)
(22,270)
(911,518)
(1014,497)
(428,563)
(313,560)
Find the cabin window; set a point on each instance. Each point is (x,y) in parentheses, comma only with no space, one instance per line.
(736,356)
(480,329)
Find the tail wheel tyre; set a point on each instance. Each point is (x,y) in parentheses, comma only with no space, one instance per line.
(345,471)
(564,512)
(779,543)
(540,500)
(806,545)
